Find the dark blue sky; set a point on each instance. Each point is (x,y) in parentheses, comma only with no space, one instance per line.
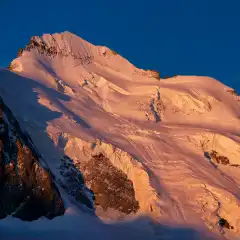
(200,37)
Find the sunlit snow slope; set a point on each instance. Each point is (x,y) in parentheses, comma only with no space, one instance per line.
(165,148)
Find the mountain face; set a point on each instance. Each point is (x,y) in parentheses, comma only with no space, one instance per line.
(27,189)
(119,142)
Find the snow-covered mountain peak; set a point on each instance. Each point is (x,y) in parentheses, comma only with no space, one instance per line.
(125,142)
(64,46)
(68,60)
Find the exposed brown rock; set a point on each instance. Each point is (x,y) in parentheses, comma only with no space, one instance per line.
(27,190)
(218,158)
(111,187)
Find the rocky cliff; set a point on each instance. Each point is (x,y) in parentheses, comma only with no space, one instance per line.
(27,190)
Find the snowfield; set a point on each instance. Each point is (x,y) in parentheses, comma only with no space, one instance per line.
(79,100)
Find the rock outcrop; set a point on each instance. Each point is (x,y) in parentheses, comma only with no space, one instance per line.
(27,190)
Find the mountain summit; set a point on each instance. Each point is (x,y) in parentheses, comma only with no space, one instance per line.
(121,143)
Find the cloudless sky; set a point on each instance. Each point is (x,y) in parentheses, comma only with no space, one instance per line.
(191,37)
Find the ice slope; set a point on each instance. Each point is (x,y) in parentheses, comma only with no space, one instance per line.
(77,100)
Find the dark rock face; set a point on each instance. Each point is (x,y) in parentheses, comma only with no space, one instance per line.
(97,183)
(218,158)
(214,157)
(26,189)
(111,187)
(224,223)
(73,183)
